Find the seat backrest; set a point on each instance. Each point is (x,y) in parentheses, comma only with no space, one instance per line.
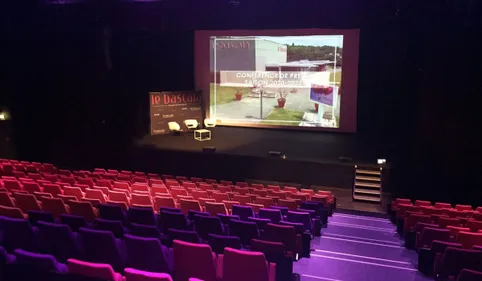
(141,230)
(11,212)
(469,239)
(215,208)
(84,209)
(53,189)
(281,233)
(200,259)
(245,230)
(114,226)
(469,275)
(454,260)
(244,212)
(429,234)
(141,199)
(187,205)
(102,246)
(241,265)
(31,187)
(146,254)
(26,202)
(273,214)
(58,240)
(93,270)
(141,215)
(73,221)
(6,200)
(162,201)
(172,220)
(43,262)
(242,199)
(91,193)
(54,205)
(219,197)
(291,204)
(18,234)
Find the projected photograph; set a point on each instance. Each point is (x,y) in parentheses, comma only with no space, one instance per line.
(278,81)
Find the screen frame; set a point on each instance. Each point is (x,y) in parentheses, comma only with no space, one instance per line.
(348,104)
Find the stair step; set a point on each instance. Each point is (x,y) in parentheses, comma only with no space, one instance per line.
(359,183)
(367,178)
(368,172)
(366,198)
(367,191)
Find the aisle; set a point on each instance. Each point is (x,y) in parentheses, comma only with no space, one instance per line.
(359,248)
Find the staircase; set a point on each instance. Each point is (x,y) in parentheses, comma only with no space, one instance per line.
(367,184)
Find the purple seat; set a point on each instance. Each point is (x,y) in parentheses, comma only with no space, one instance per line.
(148,231)
(205,225)
(73,221)
(58,240)
(172,220)
(273,214)
(93,270)
(225,219)
(139,275)
(183,235)
(272,250)
(430,234)
(35,216)
(147,254)
(40,262)
(116,227)
(299,227)
(260,222)
(219,242)
(244,230)
(18,234)
(141,216)
(469,275)
(199,257)
(454,260)
(244,212)
(112,212)
(102,247)
(301,217)
(284,210)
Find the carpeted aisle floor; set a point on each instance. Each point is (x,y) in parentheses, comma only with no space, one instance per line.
(359,248)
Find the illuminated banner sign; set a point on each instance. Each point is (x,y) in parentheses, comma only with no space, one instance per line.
(178,106)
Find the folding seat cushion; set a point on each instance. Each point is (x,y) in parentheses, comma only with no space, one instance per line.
(112,212)
(91,193)
(245,230)
(139,275)
(272,214)
(26,202)
(242,265)
(141,216)
(18,234)
(244,212)
(261,223)
(41,262)
(58,240)
(142,230)
(453,260)
(6,200)
(102,247)
(199,257)
(93,270)
(84,209)
(242,199)
(469,275)
(35,216)
(55,205)
(469,239)
(219,197)
(114,226)
(205,225)
(11,212)
(215,208)
(265,201)
(147,254)
(187,205)
(182,235)
(172,220)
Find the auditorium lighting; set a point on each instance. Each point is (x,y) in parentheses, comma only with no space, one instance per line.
(381,161)
(4,116)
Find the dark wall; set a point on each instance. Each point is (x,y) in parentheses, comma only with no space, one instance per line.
(77,78)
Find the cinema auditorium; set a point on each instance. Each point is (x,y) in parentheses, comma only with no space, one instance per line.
(240,140)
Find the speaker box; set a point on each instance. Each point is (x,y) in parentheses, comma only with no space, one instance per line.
(211,149)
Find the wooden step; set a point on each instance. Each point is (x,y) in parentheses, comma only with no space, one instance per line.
(367,198)
(367,191)
(367,178)
(359,183)
(368,172)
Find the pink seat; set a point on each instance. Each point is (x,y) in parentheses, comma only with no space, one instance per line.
(93,270)
(243,265)
(139,275)
(199,257)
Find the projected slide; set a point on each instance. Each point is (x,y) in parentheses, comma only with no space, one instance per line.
(276,81)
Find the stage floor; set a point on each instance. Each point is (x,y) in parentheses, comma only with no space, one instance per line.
(297,145)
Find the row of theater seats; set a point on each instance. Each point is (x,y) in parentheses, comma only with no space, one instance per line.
(232,265)
(447,238)
(285,231)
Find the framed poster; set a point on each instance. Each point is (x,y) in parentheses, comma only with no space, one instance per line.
(175,106)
